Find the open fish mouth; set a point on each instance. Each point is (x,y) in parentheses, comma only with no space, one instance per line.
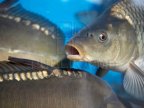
(73,52)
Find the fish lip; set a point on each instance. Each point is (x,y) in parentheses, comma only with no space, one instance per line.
(77,55)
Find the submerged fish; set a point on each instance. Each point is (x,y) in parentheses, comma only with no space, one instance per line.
(26,35)
(54,88)
(115,41)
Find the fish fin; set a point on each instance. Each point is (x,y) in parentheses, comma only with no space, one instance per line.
(31,63)
(16,71)
(134,81)
(87,17)
(101,72)
(11,67)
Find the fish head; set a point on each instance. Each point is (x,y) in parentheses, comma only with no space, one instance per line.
(103,44)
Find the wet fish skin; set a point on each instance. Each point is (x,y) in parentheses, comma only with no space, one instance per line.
(120,35)
(24,34)
(115,42)
(67,88)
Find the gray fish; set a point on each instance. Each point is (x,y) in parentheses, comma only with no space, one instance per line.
(26,35)
(115,41)
(54,88)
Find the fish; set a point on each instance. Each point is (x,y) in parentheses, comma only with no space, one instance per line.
(115,41)
(27,35)
(53,88)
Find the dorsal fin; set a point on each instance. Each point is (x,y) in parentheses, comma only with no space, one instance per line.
(133,12)
(31,63)
(15,70)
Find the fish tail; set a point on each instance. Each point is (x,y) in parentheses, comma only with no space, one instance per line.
(7,4)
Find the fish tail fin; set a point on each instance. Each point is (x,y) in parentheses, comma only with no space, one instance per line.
(7,4)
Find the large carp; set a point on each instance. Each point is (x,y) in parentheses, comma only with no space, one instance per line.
(115,41)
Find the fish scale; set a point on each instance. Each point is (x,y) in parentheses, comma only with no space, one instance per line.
(132,11)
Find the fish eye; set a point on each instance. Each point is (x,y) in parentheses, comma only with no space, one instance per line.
(103,36)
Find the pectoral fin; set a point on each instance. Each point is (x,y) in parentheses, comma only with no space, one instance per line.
(134,81)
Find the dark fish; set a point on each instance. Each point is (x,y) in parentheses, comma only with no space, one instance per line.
(115,41)
(54,88)
(26,35)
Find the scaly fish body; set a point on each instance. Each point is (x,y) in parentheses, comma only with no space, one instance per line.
(133,12)
(24,34)
(53,88)
(115,41)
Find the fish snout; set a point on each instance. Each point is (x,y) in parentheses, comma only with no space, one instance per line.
(73,52)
